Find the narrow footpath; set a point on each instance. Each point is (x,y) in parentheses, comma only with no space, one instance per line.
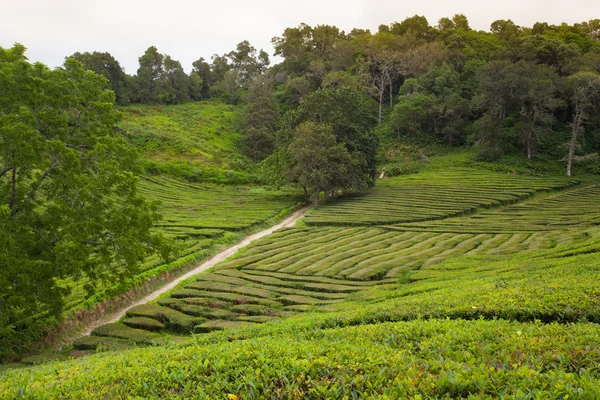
(114,317)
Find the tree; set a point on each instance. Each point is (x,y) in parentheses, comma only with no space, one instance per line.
(351,115)
(383,65)
(585,93)
(410,113)
(296,88)
(161,79)
(106,65)
(177,83)
(201,80)
(259,120)
(318,162)
(499,82)
(419,59)
(537,98)
(417,26)
(245,60)
(150,76)
(230,86)
(449,109)
(69,207)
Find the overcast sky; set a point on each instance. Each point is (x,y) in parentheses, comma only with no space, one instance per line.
(188,29)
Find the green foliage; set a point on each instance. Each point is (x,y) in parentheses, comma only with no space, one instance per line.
(260,120)
(68,192)
(106,65)
(160,79)
(325,119)
(318,163)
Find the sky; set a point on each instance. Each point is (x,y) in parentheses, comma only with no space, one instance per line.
(190,29)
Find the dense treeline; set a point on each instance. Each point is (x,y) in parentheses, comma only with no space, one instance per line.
(512,89)
(161,80)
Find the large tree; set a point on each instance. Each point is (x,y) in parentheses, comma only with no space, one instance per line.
(318,163)
(585,94)
(259,120)
(160,79)
(106,65)
(350,117)
(69,208)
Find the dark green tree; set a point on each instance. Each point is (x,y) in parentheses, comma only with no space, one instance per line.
(160,79)
(260,120)
(585,97)
(106,65)
(69,207)
(250,65)
(177,82)
(318,163)
(150,77)
(351,115)
(410,114)
(201,80)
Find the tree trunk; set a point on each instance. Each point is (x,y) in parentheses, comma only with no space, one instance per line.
(530,139)
(381,91)
(305,194)
(13,196)
(573,141)
(391,95)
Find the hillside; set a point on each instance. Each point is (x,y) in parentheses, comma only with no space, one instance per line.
(446,283)
(199,141)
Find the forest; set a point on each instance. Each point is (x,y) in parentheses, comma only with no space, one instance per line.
(532,90)
(436,160)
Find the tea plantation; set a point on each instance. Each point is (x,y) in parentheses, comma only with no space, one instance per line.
(201,219)
(449,284)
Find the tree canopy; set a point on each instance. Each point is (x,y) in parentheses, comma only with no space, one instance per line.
(69,207)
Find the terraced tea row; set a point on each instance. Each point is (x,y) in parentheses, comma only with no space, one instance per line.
(225,299)
(188,207)
(322,268)
(201,217)
(375,253)
(429,196)
(571,209)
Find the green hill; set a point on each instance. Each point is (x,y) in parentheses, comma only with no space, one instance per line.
(197,141)
(448,283)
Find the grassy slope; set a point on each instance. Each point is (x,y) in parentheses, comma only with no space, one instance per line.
(489,313)
(206,132)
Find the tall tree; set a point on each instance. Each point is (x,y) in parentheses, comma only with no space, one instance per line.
(177,82)
(318,162)
(247,62)
(411,113)
(260,120)
(499,83)
(230,86)
(201,80)
(585,94)
(351,115)
(384,66)
(69,207)
(106,65)
(538,99)
(150,76)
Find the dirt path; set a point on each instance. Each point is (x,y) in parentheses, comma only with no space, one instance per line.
(290,221)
